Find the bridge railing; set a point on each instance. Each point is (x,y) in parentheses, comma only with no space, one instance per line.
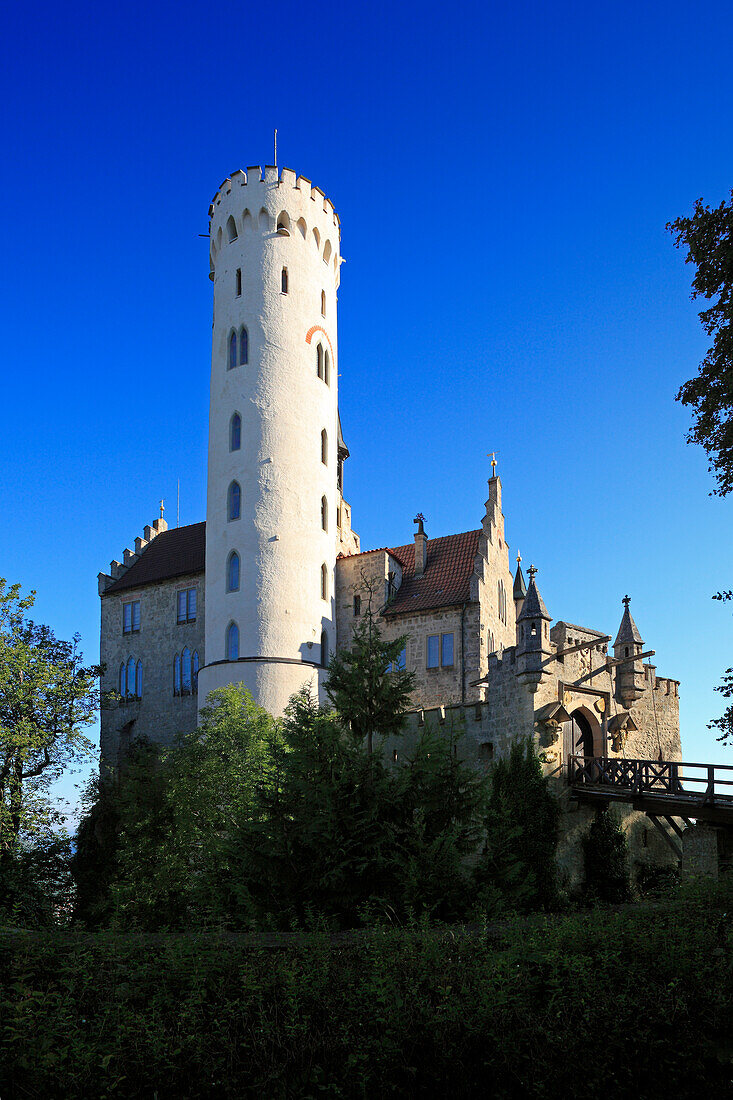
(705,783)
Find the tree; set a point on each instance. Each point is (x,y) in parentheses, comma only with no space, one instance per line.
(708,237)
(366,684)
(47,698)
(605,851)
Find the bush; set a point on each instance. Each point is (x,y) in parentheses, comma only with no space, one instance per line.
(606,852)
(513,1012)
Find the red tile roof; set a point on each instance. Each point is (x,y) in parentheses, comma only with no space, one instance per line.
(447,577)
(172,553)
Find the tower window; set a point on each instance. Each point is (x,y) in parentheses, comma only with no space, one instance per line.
(243,347)
(234,500)
(232,361)
(327,369)
(324,447)
(323,303)
(324,514)
(238,282)
(319,361)
(324,582)
(324,650)
(284,281)
(232,642)
(233,572)
(235,432)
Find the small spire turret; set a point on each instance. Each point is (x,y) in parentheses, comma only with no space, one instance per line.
(630,681)
(533,634)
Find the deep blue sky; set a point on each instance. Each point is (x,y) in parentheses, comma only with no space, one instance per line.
(503,174)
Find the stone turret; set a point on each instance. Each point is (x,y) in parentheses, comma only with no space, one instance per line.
(629,676)
(520,590)
(533,631)
(421,545)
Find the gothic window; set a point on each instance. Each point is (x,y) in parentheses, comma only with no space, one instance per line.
(243,347)
(177,675)
(231,228)
(324,582)
(186,672)
(238,283)
(232,351)
(232,642)
(233,572)
(131,678)
(284,281)
(323,303)
(122,681)
(327,369)
(317,239)
(139,680)
(195,671)
(319,360)
(324,447)
(326,252)
(324,650)
(302,227)
(324,513)
(234,500)
(235,432)
(283,224)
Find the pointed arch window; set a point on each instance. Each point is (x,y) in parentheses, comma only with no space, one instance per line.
(319,361)
(233,572)
(232,362)
(323,303)
(234,500)
(327,368)
(243,347)
(284,280)
(177,675)
(231,229)
(324,447)
(232,642)
(139,680)
(235,432)
(122,681)
(186,672)
(195,671)
(324,581)
(324,513)
(324,650)
(131,678)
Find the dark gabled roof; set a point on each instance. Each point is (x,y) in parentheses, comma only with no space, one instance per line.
(447,577)
(173,553)
(520,588)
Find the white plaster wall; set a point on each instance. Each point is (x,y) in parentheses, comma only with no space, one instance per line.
(284,407)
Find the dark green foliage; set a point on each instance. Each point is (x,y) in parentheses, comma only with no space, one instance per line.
(522,828)
(708,237)
(629,1004)
(651,881)
(35,884)
(606,856)
(367,689)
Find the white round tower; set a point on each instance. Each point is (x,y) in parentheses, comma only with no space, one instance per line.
(272,499)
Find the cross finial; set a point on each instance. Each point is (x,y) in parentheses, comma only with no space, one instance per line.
(162,509)
(626,601)
(492,455)
(531,572)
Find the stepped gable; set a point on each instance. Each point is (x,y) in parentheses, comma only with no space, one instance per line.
(178,551)
(447,577)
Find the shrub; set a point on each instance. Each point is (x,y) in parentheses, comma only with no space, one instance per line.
(605,852)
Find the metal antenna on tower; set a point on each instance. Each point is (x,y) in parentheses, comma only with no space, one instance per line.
(178,504)
(276,148)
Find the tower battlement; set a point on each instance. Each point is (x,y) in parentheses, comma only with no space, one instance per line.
(263,181)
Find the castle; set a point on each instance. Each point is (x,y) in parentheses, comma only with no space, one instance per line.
(275,579)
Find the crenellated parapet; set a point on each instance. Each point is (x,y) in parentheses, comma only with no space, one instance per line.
(277,203)
(118,569)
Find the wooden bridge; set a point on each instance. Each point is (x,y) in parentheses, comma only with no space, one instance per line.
(666,789)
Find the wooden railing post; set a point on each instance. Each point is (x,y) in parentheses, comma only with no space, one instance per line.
(710,792)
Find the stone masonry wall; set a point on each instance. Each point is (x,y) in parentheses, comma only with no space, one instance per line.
(159,715)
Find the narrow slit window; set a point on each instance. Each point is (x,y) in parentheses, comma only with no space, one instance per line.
(233,572)
(195,671)
(177,675)
(323,303)
(238,282)
(122,681)
(324,581)
(131,678)
(232,642)
(186,672)
(324,514)
(235,432)
(243,347)
(284,280)
(234,500)
(324,650)
(232,351)
(357,606)
(324,447)
(139,680)
(327,369)
(319,361)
